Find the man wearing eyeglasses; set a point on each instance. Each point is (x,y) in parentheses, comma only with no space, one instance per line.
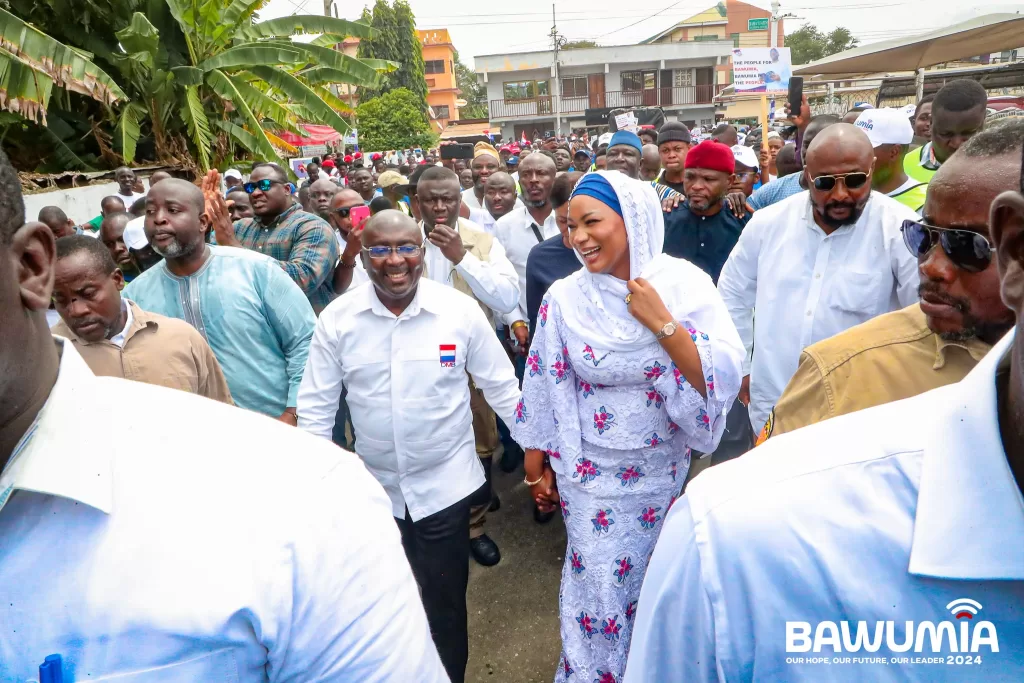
(301,242)
(816,264)
(882,545)
(403,349)
(960,316)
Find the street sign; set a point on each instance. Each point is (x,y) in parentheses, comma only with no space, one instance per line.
(312,150)
(757,24)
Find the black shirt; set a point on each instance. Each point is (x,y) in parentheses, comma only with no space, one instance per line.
(705,241)
(548,262)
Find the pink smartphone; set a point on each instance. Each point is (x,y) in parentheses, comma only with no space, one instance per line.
(358,216)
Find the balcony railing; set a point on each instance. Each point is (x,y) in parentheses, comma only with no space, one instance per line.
(655,97)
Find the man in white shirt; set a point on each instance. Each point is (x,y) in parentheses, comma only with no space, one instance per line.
(125,178)
(816,264)
(486,162)
(499,198)
(459,254)
(886,544)
(403,348)
(523,229)
(193,556)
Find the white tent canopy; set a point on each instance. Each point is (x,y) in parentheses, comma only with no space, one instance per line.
(982,35)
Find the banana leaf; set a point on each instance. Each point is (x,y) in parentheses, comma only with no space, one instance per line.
(198,125)
(299,92)
(225,86)
(304,24)
(244,56)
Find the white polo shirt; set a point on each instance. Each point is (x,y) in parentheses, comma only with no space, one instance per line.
(807,286)
(408,391)
(150,535)
(518,233)
(905,512)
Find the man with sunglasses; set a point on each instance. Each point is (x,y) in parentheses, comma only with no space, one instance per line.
(350,271)
(960,316)
(301,242)
(816,264)
(901,524)
(403,348)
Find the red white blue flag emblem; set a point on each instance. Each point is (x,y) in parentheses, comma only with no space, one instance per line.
(447,355)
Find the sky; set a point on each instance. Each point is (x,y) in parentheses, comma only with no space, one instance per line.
(480,29)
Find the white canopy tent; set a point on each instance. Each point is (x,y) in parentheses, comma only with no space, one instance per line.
(982,35)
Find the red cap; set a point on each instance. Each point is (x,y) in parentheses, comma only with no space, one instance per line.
(358,155)
(348,158)
(375,156)
(711,155)
(328,164)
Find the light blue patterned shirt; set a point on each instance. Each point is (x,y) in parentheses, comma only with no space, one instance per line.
(255,318)
(775,191)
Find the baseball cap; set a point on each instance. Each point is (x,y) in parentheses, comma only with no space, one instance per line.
(604,139)
(745,155)
(233,173)
(885,127)
(389,178)
(512,161)
(135,233)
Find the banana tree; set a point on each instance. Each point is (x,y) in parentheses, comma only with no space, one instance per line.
(244,79)
(31,63)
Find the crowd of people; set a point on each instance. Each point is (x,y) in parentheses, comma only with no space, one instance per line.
(611,316)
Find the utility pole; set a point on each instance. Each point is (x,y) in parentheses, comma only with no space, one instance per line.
(329,9)
(773,25)
(555,39)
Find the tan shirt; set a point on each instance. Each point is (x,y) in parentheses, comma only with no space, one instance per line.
(889,358)
(157,350)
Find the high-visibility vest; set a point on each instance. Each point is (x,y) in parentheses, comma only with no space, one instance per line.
(913,165)
(914,197)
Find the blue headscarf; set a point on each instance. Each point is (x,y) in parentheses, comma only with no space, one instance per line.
(597,186)
(625,137)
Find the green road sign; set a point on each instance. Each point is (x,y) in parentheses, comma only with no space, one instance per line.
(757,24)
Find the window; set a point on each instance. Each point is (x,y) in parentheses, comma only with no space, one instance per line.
(574,87)
(441,111)
(525,90)
(632,80)
(682,78)
(431,82)
(435,66)
(735,39)
(702,38)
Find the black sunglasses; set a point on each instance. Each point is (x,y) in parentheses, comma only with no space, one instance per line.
(262,185)
(854,180)
(970,251)
(344,211)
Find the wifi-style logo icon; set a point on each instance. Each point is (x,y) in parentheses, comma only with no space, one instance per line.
(964,607)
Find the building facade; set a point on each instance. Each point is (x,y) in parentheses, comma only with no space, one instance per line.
(527,95)
(438,69)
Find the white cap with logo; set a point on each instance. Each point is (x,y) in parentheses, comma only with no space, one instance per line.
(886,127)
(746,156)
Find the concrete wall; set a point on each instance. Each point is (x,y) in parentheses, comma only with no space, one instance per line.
(79,203)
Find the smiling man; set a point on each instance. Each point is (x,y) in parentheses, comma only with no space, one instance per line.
(413,425)
(245,306)
(301,243)
(499,199)
(960,316)
(816,264)
(116,338)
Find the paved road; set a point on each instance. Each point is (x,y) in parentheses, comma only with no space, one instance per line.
(513,606)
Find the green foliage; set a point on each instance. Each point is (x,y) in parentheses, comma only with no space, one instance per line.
(395,40)
(577,44)
(807,44)
(473,92)
(392,121)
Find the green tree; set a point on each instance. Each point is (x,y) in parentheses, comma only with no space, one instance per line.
(394,40)
(473,91)
(577,44)
(394,120)
(808,44)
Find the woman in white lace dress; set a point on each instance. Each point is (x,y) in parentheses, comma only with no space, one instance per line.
(634,361)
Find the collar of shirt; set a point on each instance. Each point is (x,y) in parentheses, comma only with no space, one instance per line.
(278,219)
(421,301)
(965,465)
(121,338)
(522,219)
(976,348)
(51,458)
(927,157)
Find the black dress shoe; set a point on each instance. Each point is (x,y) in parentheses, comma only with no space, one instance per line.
(542,517)
(495,503)
(484,550)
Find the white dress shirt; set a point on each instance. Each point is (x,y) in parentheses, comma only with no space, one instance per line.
(409,405)
(484,219)
(515,230)
(470,200)
(807,286)
(239,549)
(494,282)
(359,275)
(119,337)
(889,514)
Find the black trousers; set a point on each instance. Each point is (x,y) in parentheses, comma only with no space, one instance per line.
(439,555)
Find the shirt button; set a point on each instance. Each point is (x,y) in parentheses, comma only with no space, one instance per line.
(702,244)
(808,312)
(818,276)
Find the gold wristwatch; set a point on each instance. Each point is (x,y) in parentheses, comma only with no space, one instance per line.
(667,331)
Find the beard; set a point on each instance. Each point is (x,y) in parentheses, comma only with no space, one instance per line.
(176,249)
(536,205)
(836,223)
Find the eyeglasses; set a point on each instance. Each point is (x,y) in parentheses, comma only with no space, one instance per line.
(344,211)
(261,185)
(970,251)
(826,183)
(405,251)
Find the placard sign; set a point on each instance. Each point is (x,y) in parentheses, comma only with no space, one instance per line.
(761,69)
(313,150)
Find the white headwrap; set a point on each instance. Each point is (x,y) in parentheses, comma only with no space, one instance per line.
(600,312)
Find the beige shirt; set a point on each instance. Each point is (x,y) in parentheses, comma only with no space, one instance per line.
(888,358)
(156,350)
